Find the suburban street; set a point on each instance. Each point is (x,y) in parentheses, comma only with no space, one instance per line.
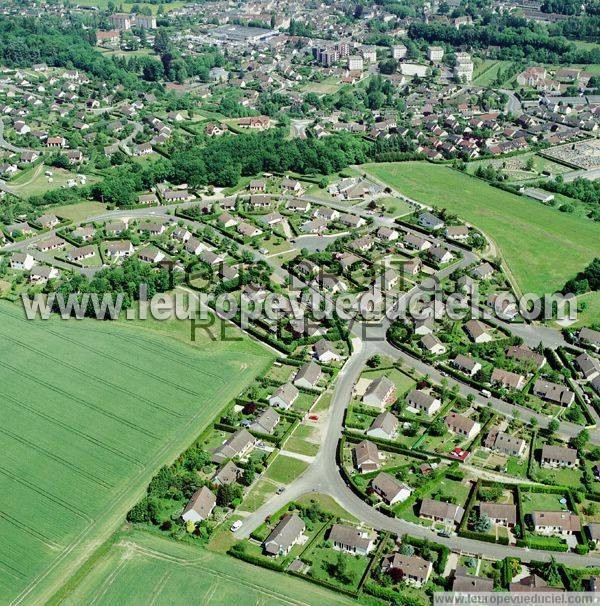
(323,474)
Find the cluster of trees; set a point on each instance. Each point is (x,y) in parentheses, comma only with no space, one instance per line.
(582,189)
(586,280)
(222,161)
(516,38)
(564,7)
(125,280)
(25,41)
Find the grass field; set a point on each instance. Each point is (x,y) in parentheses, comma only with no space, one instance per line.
(90,411)
(33,181)
(542,246)
(591,313)
(146,569)
(285,469)
(487,71)
(325,87)
(79,212)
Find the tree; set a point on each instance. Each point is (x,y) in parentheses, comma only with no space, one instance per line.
(407,550)
(227,493)
(374,361)
(438,428)
(553,426)
(482,524)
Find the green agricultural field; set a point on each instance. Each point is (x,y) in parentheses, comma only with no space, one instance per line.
(542,247)
(143,569)
(90,411)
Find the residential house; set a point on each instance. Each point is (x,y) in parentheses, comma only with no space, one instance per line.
(351,540)
(503,514)
(440,511)
(119,250)
(42,274)
(430,221)
(287,533)
(238,444)
(461,425)
(284,397)
(366,456)
(433,345)
(266,421)
(588,366)
(468,583)
(504,443)
(555,522)
(380,392)
(22,261)
(325,352)
(384,426)
(524,354)
(423,401)
(558,456)
(413,569)
(477,331)
(308,376)
(200,506)
(228,474)
(466,364)
(79,254)
(507,379)
(390,489)
(553,392)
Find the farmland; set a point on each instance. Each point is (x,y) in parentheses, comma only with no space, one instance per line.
(549,247)
(92,410)
(141,569)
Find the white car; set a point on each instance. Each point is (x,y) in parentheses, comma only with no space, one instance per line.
(236,525)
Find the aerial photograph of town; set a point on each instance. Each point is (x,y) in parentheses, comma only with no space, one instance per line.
(299,302)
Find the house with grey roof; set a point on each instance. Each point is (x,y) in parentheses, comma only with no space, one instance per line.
(384,426)
(287,533)
(308,376)
(390,489)
(440,511)
(284,397)
(558,456)
(351,540)
(266,421)
(228,474)
(238,444)
(553,392)
(366,456)
(380,392)
(423,402)
(413,570)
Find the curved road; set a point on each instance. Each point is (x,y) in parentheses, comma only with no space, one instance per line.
(323,476)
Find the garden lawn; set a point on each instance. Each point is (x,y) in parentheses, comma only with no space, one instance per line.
(542,246)
(90,411)
(304,440)
(541,501)
(323,558)
(285,469)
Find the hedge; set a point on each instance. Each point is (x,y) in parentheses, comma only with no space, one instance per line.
(480,536)
(327,585)
(390,595)
(256,560)
(462,528)
(532,543)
